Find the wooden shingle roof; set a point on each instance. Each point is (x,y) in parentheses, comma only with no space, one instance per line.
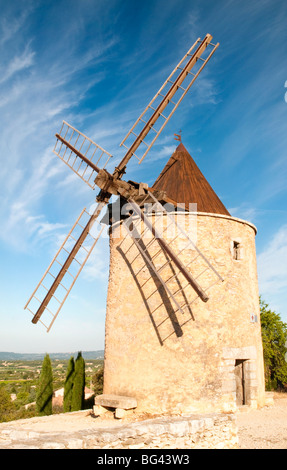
(184,183)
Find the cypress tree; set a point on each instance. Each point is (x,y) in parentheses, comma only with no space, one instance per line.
(78,394)
(68,386)
(45,388)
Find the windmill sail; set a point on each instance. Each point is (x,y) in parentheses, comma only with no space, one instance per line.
(49,296)
(80,153)
(166,100)
(87,159)
(166,251)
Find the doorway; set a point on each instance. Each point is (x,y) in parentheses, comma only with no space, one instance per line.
(240,373)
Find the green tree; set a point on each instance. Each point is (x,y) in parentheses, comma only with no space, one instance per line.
(78,394)
(68,386)
(45,388)
(7,407)
(98,381)
(274,337)
(22,398)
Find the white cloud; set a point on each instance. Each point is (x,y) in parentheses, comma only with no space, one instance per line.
(96,269)
(272,264)
(205,91)
(17,64)
(43,227)
(10,26)
(245,212)
(31,106)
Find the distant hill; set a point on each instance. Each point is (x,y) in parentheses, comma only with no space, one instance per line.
(11,356)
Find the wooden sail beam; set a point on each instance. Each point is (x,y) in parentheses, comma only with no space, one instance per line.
(113,184)
(67,263)
(167,98)
(164,245)
(79,154)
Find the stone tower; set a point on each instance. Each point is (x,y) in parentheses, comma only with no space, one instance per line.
(209,358)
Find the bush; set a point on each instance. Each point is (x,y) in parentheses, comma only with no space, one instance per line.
(7,407)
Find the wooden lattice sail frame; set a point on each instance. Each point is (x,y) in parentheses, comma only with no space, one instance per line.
(89,161)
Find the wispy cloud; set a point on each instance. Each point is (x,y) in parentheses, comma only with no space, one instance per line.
(36,223)
(11,24)
(97,266)
(34,96)
(244,211)
(272,264)
(17,64)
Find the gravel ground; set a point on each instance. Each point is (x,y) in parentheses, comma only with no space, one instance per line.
(265,428)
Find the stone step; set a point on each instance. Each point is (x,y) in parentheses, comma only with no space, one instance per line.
(116,401)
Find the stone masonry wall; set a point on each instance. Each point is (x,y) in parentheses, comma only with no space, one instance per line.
(214,431)
(174,362)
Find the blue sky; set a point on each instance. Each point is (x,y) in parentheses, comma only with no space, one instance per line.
(97,64)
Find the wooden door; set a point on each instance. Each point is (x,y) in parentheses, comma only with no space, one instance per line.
(240,382)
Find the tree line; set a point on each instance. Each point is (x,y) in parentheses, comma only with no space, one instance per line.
(74,392)
(74,386)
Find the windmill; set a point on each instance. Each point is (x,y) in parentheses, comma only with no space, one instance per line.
(89,161)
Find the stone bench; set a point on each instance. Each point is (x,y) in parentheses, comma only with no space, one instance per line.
(117,402)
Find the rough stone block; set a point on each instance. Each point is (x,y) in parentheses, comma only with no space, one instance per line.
(269,400)
(119,413)
(99,410)
(116,401)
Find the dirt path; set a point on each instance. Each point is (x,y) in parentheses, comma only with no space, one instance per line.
(265,428)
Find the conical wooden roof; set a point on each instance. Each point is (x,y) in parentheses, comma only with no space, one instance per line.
(184,183)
